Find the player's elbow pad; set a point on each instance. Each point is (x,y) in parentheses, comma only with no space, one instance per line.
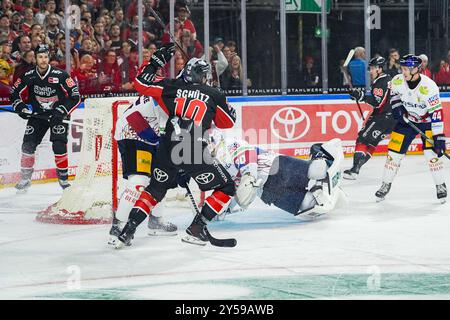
(148,135)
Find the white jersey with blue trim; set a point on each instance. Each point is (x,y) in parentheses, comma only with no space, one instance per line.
(238,157)
(144,109)
(422,103)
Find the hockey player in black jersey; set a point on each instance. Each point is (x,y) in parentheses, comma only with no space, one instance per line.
(380,123)
(192,107)
(53,93)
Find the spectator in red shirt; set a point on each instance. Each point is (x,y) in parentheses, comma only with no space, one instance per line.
(86,75)
(177,33)
(28,20)
(27,63)
(191,46)
(86,29)
(186,23)
(24,44)
(5,29)
(424,69)
(129,69)
(109,73)
(443,75)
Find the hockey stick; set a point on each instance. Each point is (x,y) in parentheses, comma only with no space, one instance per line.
(214,241)
(349,57)
(42,117)
(423,135)
(360,110)
(161,23)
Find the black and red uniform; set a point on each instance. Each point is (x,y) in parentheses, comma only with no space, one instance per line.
(51,93)
(192,109)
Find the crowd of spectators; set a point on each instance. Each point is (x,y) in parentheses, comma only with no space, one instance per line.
(104,45)
(354,75)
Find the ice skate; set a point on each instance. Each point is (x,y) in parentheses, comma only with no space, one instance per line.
(158,227)
(197,234)
(127,235)
(441,192)
(383,191)
(350,174)
(114,232)
(23,185)
(63,179)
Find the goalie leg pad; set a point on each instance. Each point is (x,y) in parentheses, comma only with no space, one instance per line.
(317,169)
(134,185)
(435,165)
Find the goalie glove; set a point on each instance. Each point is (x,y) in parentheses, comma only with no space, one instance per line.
(246,191)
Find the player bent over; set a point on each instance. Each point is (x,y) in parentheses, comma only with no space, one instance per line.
(192,107)
(305,188)
(137,135)
(51,92)
(380,123)
(415,97)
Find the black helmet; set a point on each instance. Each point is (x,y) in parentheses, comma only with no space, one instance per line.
(195,70)
(41,48)
(377,62)
(410,61)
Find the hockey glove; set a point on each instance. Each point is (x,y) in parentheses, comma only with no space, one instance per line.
(161,56)
(57,116)
(357,95)
(247,189)
(22,110)
(182,179)
(439,144)
(398,113)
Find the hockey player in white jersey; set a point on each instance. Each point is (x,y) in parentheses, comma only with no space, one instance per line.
(137,134)
(304,188)
(415,97)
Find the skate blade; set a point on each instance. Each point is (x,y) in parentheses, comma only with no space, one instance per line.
(443,200)
(193,240)
(349,177)
(113,241)
(309,216)
(378,199)
(157,233)
(22,191)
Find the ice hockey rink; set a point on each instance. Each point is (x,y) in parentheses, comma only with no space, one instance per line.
(395,249)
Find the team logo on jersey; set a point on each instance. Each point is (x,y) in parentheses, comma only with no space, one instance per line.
(205,178)
(53,80)
(376,133)
(397,81)
(290,123)
(434,100)
(59,129)
(29,130)
(378,92)
(160,175)
(70,83)
(424,90)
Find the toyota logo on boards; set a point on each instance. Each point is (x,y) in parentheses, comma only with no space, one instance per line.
(290,123)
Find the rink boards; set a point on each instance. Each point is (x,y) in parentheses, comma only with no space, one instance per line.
(285,124)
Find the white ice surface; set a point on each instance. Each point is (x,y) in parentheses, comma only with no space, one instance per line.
(408,233)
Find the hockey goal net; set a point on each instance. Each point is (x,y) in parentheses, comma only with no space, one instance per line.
(93,195)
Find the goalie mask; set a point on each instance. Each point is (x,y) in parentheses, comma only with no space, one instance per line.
(196,71)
